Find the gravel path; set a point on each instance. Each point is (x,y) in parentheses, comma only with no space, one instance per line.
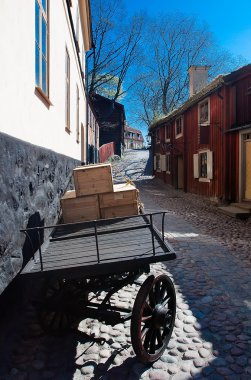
(212,334)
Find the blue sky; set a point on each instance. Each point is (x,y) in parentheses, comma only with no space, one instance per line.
(228,20)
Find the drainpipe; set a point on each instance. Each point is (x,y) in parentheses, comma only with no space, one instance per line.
(87,57)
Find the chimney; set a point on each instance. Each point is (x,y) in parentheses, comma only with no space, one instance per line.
(198,76)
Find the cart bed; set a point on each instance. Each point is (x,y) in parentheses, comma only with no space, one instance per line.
(99,248)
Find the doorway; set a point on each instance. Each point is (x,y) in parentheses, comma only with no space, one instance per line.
(247,155)
(180,172)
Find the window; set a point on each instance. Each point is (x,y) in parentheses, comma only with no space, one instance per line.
(203,166)
(67,91)
(179,127)
(168,133)
(77,114)
(157,136)
(158,162)
(204,112)
(41,45)
(168,163)
(204,121)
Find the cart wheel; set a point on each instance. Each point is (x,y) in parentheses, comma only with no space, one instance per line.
(57,309)
(153,318)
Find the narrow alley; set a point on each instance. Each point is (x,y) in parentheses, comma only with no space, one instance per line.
(212,334)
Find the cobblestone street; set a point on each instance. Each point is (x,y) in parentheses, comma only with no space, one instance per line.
(212,334)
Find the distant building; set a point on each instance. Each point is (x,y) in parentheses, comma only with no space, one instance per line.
(111,119)
(133,138)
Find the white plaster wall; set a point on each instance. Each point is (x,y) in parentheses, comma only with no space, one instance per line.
(23,114)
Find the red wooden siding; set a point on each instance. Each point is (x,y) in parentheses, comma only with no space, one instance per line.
(106,151)
(222,138)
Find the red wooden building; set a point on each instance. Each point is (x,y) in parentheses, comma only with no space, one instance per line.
(204,146)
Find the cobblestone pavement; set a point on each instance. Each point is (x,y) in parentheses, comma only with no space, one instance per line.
(212,334)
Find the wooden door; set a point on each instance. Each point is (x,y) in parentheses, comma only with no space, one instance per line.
(180,172)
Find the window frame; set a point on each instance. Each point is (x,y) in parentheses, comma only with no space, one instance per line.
(168,134)
(67,91)
(198,165)
(204,122)
(179,133)
(157,136)
(42,49)
(158,163)
(168,163)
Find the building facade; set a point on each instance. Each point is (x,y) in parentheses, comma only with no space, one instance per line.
(204,146)
(45,128)
(43,99)
(133,138)
(111,118)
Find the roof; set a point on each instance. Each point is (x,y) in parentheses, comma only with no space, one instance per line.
(207,90)
(107,110)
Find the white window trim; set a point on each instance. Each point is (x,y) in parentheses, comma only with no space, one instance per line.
(167,139)
(209,169)
(163,163)
(157,139)
(199,104)
(158,155)
(182,125)
(168,171)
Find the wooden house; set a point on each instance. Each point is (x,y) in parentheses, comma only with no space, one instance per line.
(204,146)
(133,138)
(111,118)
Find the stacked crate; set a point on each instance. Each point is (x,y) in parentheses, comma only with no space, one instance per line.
(96,197)
(123,201)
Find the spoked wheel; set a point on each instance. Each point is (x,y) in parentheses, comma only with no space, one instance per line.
(58,305)
(153,318)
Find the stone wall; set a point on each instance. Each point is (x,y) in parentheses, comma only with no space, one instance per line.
(32,181)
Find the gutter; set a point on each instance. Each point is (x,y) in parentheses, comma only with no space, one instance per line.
(243,127)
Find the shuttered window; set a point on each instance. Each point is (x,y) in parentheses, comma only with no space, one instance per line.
(203,165)
(168,163)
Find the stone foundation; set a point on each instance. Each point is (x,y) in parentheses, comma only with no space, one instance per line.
(32,181)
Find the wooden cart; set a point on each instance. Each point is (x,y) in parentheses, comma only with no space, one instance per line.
(82,261)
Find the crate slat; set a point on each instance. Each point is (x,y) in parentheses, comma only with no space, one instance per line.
(93,179)
(79,209)
(123,194)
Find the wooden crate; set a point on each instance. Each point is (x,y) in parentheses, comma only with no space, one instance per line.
(123,194)
(117,211)
(79,209)
(93,179)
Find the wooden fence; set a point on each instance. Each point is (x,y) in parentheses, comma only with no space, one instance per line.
(106,151)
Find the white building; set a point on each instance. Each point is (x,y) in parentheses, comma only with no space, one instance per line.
(42,94)
(46,128)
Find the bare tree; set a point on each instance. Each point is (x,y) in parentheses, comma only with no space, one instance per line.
(174,43)
(116,40)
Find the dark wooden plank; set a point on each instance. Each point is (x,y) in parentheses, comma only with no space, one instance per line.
(104,241)
(85,256)
(94,270)
(86,261)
